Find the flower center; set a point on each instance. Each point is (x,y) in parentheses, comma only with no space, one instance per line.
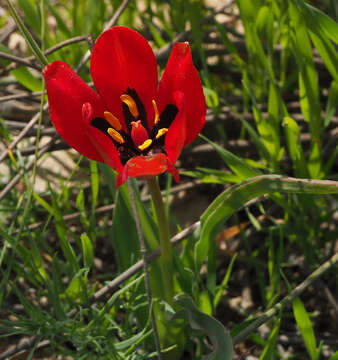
(136,138)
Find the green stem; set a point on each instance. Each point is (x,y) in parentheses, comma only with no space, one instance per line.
(40,56)
(166,259)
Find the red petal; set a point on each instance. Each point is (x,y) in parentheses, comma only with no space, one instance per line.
(173,171)
(180,74)
(175,138)
(67,92)
(143,166)
(123,58)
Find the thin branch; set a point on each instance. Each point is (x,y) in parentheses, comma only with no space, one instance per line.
(107,208)
(7,30)
(19,60)
(287,299)
(19,175)
(23,133)
(52,49)
(67,42)
(19,96)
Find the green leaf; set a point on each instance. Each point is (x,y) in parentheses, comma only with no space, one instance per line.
(87,251)
(44,204)
(224,284)
(232,199)
(257,140)
(327,52)
(317,19)
(305,327)
(314,161)
(26,79)
(32,17)
(332,103)
(273,109)
(93,324)
(124,234)
(75,288)
(334,356)
(60,23)
(61,230)
(211,97)
(292,132)
(249,9)
(235,163)
(130,343)
(217,333)
(262,20)
(95,183)
(204,303)
(80,203)
(93,15)
(269,348)
(267,134)
(155,34)
(229,44)
(212,176)
(37,263)
(308,88)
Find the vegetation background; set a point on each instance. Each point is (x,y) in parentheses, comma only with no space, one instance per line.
(262,258)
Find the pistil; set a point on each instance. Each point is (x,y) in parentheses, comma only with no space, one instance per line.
(138,133)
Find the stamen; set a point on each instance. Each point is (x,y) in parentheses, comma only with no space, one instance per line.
(145,145)
(115,135)
(157,114)
(161,132)
(129,101)
(113,120)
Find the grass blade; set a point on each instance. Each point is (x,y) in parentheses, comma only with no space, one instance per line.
(232,199)
(305,327)
(29,39)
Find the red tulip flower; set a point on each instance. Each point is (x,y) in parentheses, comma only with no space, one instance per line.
(136,126)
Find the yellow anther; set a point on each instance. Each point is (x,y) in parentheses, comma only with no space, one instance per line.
(157,114)
(129,101)
(161,132)
(115,135)
(113,120)
(145,145)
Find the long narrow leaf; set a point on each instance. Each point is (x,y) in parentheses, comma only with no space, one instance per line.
(29,39)
(231,200)
(305,327)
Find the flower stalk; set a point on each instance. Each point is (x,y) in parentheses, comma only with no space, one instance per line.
(145,268)
(166,259)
